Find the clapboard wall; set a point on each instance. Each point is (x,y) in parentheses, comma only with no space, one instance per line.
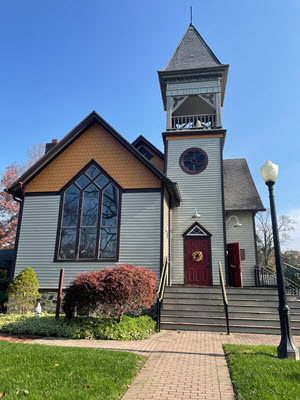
(202,191)
(245,236)
(140,237)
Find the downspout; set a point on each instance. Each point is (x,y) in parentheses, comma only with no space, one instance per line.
(18,200)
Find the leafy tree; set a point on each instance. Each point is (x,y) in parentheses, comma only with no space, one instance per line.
(264,234)
(292,257)
(23,291)
(9,208)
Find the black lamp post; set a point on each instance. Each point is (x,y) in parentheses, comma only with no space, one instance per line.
(286,348)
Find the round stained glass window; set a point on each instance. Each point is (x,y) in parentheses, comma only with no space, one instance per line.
(193,161)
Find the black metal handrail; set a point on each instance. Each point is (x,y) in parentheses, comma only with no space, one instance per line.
(265,276)
(224,295)
(161,290)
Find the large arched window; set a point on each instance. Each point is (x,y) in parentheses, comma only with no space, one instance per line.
(89,217)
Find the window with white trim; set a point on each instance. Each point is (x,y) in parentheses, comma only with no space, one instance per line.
(196,231)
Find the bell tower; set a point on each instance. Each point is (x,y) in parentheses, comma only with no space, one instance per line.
(193,87)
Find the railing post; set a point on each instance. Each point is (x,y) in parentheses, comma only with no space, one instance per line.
(158,315)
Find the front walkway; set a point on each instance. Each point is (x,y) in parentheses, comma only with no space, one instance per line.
(181,365)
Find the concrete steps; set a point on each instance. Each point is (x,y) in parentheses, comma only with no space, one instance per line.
(251,310)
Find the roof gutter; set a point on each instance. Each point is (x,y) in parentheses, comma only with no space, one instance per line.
(14,197)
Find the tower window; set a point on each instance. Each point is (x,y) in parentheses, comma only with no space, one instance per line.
(193,161)
(89,218)
(146,153)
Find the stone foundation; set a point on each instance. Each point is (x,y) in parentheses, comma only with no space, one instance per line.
(48,300)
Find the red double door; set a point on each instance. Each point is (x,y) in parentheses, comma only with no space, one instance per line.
(197,273)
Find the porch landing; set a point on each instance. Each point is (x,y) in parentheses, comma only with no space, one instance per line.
(251,310)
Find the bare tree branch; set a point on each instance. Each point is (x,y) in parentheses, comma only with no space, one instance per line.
(35,152)
(264,234)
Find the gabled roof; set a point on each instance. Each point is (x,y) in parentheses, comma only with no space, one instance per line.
(192,52)
(142,140)
(240,192)
(15,188)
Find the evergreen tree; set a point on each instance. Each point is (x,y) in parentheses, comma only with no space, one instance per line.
(23,292)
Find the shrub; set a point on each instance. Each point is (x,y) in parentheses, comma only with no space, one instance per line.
(23,292)
(4,282)
(111,291)
(137,328)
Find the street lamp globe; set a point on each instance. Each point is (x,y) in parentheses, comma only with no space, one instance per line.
(269,172)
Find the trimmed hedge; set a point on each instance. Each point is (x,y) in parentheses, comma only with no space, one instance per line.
(111,291)
(79,327)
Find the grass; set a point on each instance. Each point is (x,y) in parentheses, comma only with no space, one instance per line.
(46,372)
(257,374)
(79,327)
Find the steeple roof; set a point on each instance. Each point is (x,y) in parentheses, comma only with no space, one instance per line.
(192,52)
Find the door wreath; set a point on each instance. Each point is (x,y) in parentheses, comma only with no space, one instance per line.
(197,256)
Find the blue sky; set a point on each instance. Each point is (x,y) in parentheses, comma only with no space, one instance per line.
(62,59)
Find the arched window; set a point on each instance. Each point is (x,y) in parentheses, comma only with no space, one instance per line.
(90,217)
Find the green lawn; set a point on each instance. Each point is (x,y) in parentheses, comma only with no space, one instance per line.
(47,372)
(257,374)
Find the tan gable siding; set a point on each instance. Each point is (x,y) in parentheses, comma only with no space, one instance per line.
(96,143)
(156,160)
(158,163)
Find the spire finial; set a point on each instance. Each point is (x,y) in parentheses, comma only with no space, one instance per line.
(191,15)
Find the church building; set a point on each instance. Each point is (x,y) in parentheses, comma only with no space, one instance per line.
(95,200)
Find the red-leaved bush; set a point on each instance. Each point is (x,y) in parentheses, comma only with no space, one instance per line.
(111,291)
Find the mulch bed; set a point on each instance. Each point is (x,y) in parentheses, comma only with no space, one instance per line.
(18,338)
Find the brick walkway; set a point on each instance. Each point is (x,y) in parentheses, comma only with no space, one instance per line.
(181,365)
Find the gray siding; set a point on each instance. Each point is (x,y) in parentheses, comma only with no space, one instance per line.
(203,191)
(245,236)
(179,89)
(139,237)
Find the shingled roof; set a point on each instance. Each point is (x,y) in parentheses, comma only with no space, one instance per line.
(192,52)
(239,189)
